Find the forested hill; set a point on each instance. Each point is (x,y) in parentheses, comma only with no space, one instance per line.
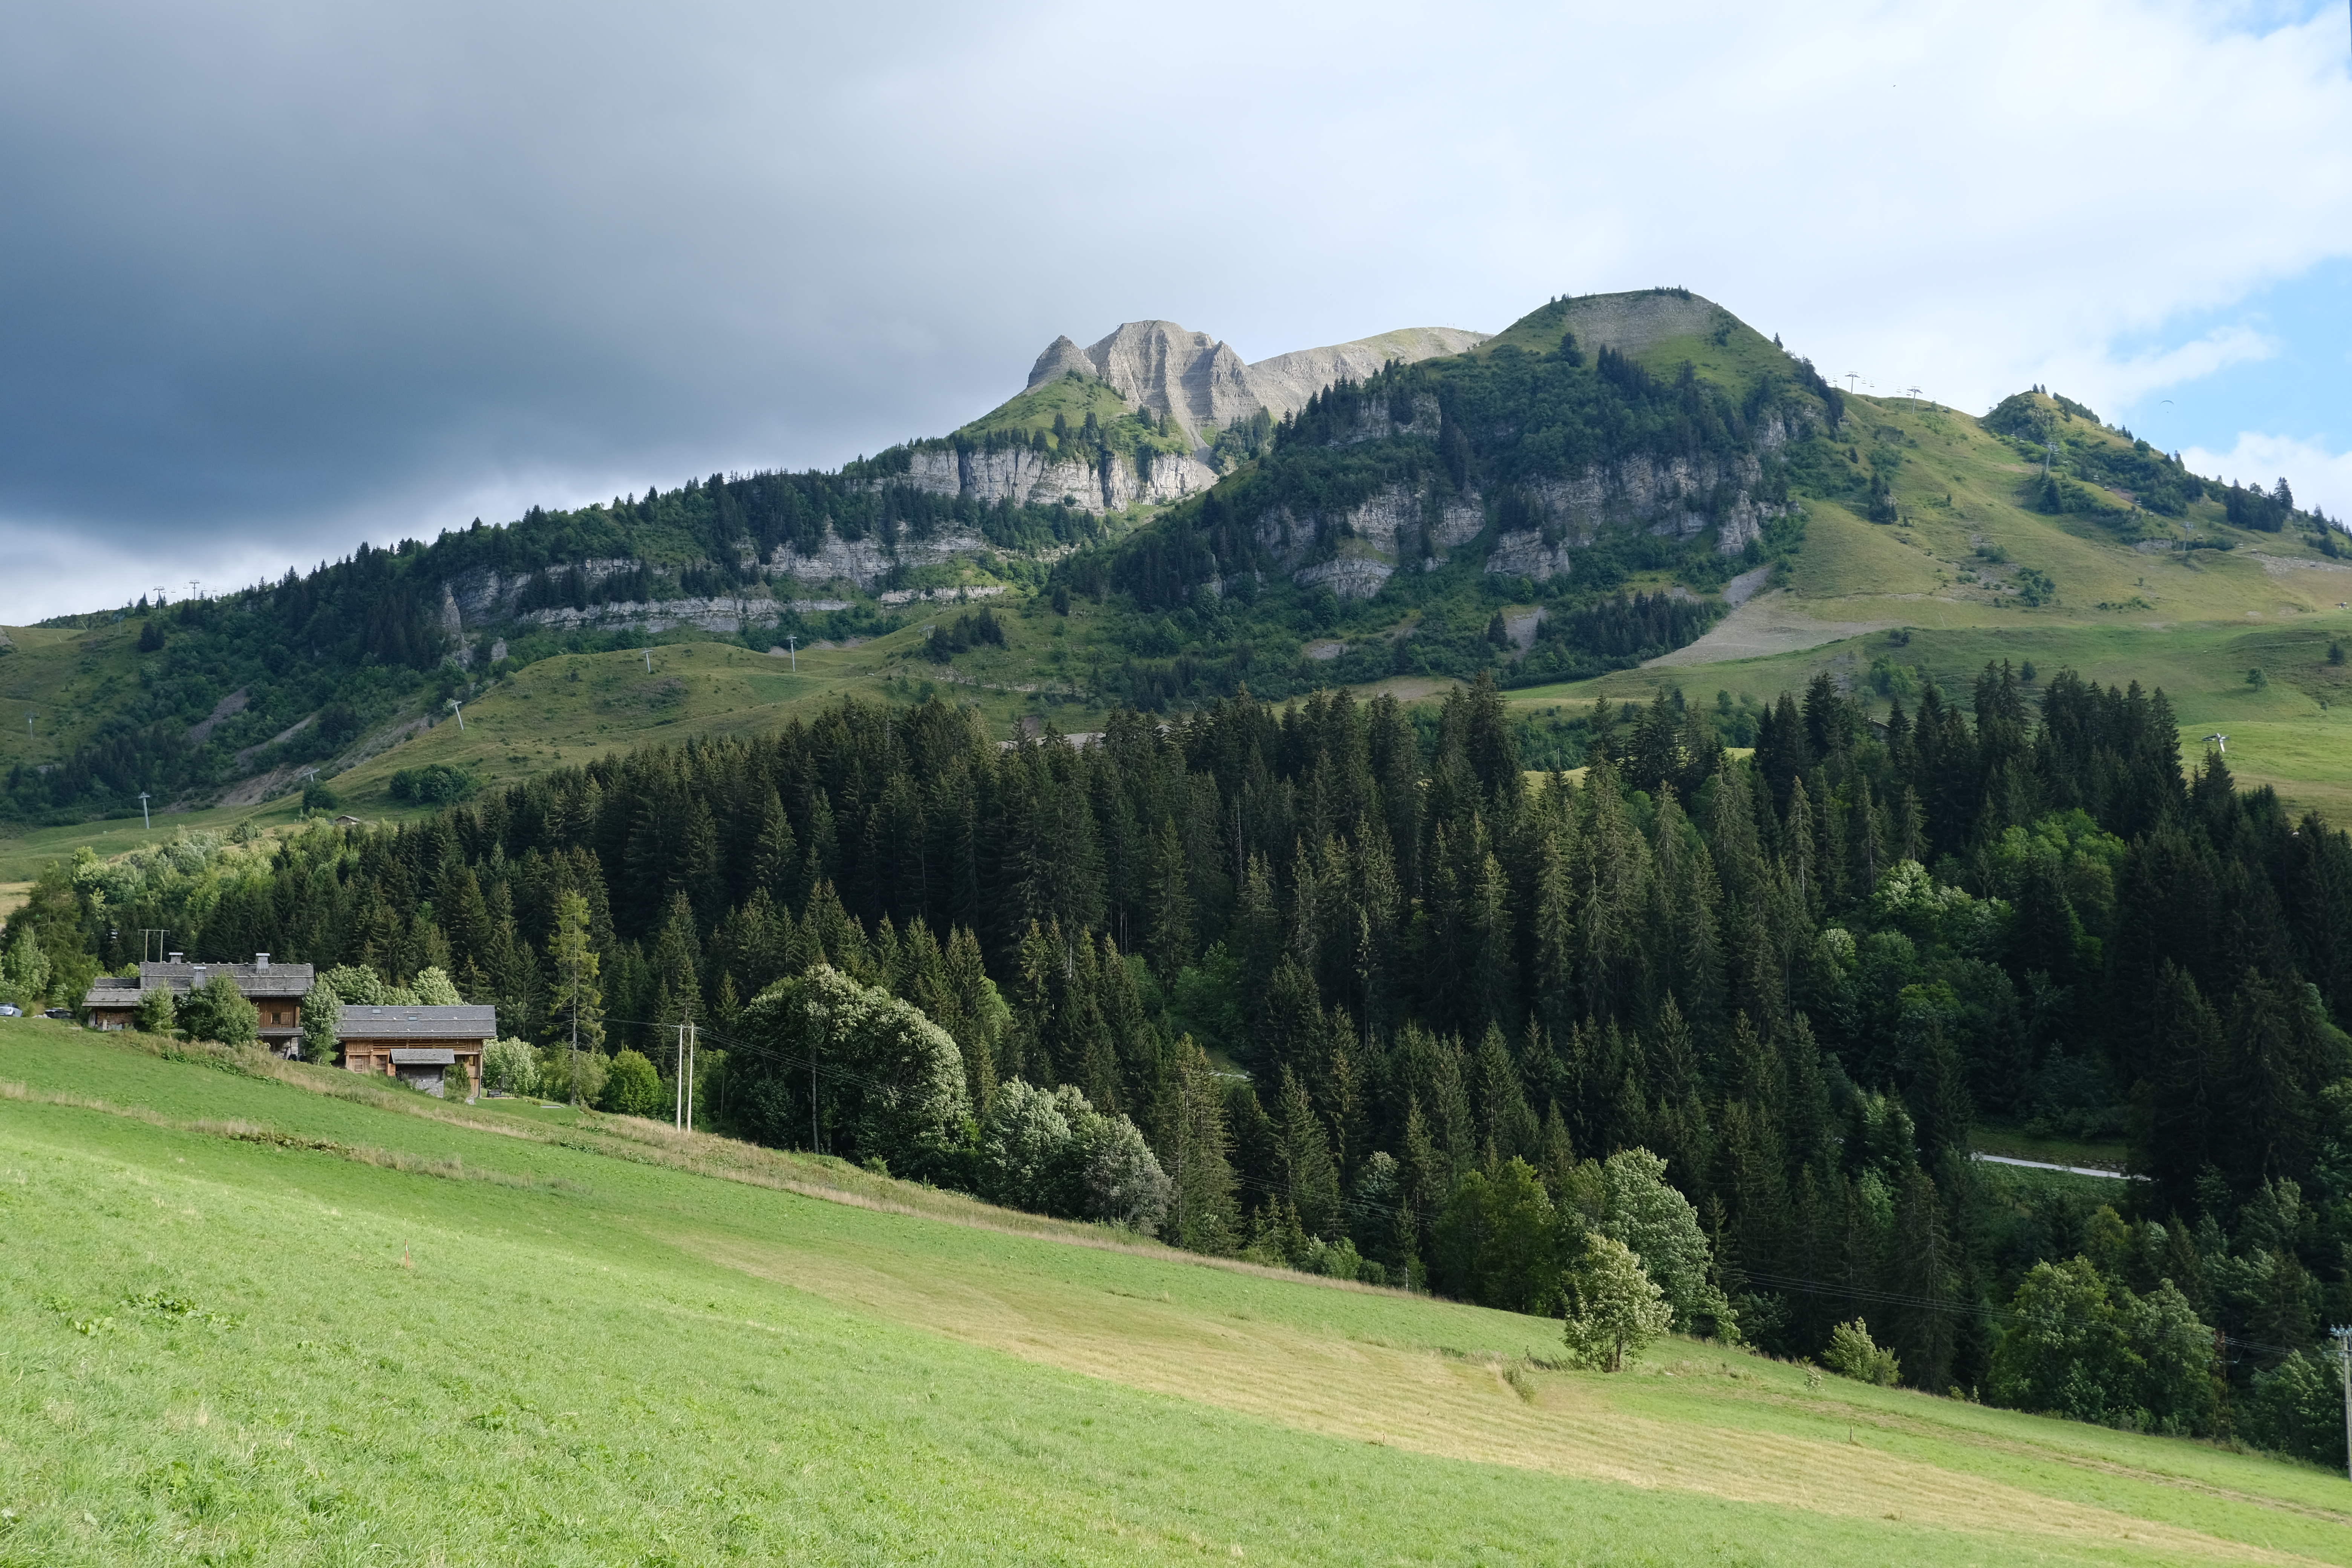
(307,666)
(1799,978)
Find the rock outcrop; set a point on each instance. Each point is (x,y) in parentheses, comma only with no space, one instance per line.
(866,562)
(1020,474)
(1284,383)
(1198,382)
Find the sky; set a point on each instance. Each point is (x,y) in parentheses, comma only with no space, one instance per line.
(278,278)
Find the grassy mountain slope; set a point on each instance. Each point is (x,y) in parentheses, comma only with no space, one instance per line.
(1937,592)
(278,1314)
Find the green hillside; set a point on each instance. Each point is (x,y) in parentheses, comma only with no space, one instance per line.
(274,1314)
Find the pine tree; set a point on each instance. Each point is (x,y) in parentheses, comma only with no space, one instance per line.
(1310,1180)
(574,1004)
(1189,1137)
(1169,902)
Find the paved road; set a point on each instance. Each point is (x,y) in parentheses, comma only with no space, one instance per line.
(2044,1165)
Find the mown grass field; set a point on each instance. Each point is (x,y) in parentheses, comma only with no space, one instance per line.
(286,1316)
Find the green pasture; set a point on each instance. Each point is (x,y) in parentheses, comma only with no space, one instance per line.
(574,707)
(2292,731)
(256,1313)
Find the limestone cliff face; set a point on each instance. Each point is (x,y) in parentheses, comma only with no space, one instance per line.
(1019,474)
(722,615)
(1284,383)
(1197,381)
(1355,551)
(866,562)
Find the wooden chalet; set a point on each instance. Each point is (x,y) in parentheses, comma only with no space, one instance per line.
(275,989)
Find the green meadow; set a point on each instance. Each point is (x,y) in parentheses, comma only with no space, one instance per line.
(252,1312)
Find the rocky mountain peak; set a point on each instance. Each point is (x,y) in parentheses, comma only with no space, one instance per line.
(1198,380)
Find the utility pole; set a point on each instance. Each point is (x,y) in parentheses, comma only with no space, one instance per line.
(649,659)
(458,709)
(792,647)
(2342,1333)
(677,1109)
(144,820)
(690,1073)
(1851,377)
(575,1034)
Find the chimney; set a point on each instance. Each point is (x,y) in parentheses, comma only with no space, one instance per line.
(176,957)
(261,961)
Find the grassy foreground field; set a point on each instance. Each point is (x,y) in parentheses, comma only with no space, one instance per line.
(273,1315)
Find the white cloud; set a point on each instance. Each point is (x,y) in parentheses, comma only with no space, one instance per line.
(2319,476)
(277,273)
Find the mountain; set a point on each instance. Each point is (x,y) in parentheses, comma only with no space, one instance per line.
(1151,414)
(1609,480)
(1200,383)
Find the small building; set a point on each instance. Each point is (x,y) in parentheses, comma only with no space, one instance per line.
(276,989)
(425,1047)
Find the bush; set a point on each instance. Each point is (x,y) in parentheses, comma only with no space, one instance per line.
(1853,1353)
(632,1088)
(217,1010)
(510,1066)
(557,1067)
(1049,1152)
(158,1011)
(436,784)
(317,796)
(2297,1408)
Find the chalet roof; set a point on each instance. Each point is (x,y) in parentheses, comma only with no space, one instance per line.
(469,1022)
(278,980)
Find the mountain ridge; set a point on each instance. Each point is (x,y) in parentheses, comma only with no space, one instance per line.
(1199,381)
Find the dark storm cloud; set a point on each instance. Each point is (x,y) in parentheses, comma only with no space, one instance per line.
(277,277)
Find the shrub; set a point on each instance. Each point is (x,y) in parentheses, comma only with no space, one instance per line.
(158,1011)
(217,1010)
(510,1066)
(2297,1408)
(559,1065)
(632,1088)
(436,784)
(1853,1353)
(1048,1151)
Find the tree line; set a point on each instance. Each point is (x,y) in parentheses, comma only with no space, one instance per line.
(1450,994)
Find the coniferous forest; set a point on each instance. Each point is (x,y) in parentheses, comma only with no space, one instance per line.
(1315,986)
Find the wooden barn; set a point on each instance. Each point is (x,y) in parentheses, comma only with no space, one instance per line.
(436,1049)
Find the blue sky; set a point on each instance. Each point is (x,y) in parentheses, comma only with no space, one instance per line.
(2292,407)
(284,278)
